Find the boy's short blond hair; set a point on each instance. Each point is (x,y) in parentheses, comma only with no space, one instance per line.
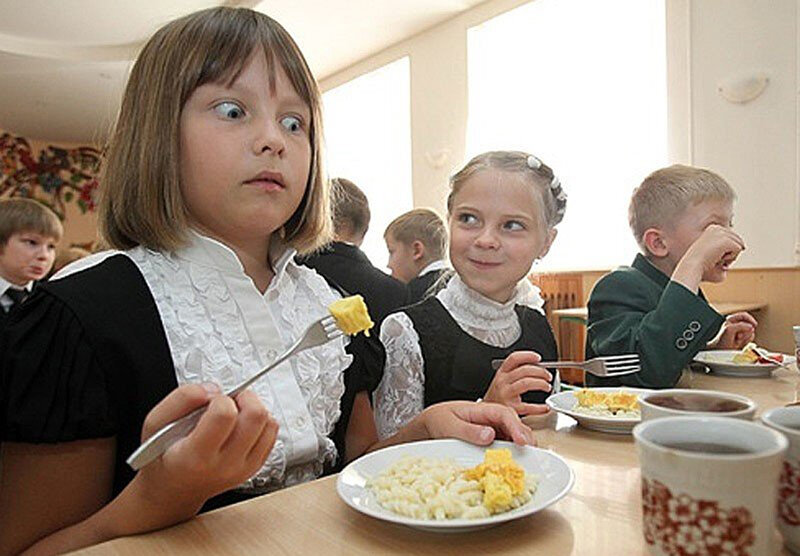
(27,215)
(141,200)
(422,225)
(666,193)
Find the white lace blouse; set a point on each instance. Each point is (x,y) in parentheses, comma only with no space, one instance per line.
(221,329)
(401,394)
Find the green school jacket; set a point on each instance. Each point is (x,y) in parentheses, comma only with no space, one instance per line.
(638,309)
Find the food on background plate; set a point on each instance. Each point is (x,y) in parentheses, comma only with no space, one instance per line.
(438,489)
(607,404)
(749,355)
(351,315)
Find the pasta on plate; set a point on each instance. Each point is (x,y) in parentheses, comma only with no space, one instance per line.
(438,489)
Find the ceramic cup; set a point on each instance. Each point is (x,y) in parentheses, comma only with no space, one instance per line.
(677,402)
(787,421)
(709,485)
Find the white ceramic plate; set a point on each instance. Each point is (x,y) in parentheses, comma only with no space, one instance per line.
(564,402)
(555,480)
(720,361)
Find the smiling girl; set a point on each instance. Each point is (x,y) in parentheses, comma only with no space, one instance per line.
(502,211)
(212,183)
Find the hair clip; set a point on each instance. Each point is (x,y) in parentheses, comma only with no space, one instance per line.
(554,183)
(534,163)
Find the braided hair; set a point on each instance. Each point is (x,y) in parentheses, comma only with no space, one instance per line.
(551,192)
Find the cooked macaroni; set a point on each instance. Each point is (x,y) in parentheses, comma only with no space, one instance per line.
(439,489)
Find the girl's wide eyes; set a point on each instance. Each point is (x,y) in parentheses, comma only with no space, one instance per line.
(514,225)
(467,218)
(229,110)
(292,123)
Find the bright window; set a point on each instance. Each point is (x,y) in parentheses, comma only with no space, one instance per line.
(581,84)
(368,139)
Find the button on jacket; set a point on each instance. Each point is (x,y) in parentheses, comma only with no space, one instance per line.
(638,309)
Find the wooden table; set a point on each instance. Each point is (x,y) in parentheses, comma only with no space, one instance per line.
(600,516)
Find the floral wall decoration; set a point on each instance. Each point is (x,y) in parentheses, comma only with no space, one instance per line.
(54,176)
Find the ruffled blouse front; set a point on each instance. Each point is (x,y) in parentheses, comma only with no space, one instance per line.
(220,328)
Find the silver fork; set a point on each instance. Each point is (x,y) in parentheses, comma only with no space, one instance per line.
(605,366)
(320,332)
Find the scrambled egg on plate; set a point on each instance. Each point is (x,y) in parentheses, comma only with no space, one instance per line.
(501,478)
(612,401)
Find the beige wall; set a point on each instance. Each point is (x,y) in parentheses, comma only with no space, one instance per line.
(753,145)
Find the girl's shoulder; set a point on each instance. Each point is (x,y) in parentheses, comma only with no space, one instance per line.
(96,278)
(85,263)
(529,314)
(308,281)
(428,317)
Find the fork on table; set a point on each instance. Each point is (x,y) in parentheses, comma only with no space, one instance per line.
(320,332)
(604,366)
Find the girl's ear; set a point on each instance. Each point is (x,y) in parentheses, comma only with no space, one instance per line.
(551,236)
(655,243)
(417,250)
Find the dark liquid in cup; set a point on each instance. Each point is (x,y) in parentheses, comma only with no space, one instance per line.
(697,402)
(707,448)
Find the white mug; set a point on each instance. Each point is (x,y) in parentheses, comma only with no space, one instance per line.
(709,485)
(787,421)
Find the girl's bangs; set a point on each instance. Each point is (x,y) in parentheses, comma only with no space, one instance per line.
(230,49)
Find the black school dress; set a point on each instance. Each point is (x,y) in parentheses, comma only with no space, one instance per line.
(442,349)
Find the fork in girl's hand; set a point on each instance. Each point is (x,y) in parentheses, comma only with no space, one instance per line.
(605,366)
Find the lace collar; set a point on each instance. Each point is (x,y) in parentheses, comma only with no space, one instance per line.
(475,311)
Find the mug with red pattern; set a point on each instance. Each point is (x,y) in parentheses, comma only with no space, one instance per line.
(787,421)
(709,485)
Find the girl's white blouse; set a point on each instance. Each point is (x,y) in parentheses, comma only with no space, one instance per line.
(401,394)
(221,329)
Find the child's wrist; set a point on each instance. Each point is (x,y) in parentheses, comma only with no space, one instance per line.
(419,427)
(140,508)
(688,274)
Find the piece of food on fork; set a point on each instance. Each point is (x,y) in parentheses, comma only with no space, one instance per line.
(351,315)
